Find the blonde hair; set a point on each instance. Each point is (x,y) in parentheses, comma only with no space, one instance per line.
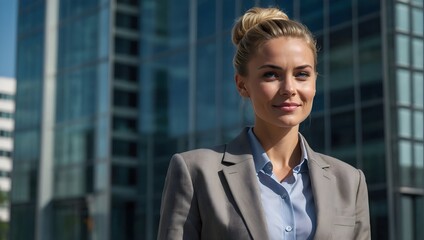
(259,25)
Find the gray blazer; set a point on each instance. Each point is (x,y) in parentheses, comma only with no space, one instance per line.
(214,194)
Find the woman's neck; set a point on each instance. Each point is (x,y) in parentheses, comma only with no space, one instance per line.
(282,147)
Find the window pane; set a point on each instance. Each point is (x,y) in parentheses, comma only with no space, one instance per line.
(69,181)
(340,11)
(418,49)
(405,162)
(206,88)
(403,86)
(125,99)
(404,122)
(372,123)
(419,165)
(341,68)
(417,24)
(311,13)
(406,220)
(419,219)
(126,46)
(418,89)
(343,129)
(402,17)
(402,50)
(205,18)
(124,148)
(418,125)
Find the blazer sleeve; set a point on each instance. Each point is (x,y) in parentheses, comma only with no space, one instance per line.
(362,225)
(179,215)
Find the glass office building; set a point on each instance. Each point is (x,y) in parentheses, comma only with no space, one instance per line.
(108,90)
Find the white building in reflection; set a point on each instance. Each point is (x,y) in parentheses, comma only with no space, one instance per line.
(7,109)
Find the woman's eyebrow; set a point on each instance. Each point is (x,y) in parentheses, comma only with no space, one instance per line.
(280,68)
(303,66)
(270,66)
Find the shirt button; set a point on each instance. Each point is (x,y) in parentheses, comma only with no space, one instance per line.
(288,229)
(284,196)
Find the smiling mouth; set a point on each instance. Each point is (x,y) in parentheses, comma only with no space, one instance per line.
(287,107)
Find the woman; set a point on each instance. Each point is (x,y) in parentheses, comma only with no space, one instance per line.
(267,183)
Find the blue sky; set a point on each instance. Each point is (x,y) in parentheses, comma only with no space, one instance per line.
(8,14)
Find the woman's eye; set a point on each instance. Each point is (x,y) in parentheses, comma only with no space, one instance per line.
(271,75)
(303,74)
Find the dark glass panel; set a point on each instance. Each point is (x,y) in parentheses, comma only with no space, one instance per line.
(71,220)
(29,74)
(165,26)
(287,7)
(22,222)
(71,181)
(313,129)
(343,129)
(312,14)
(122,124)
(164,147)
(372,123)
(370,66)
(30,18)
(133,3)
(229,99)
(76,94)
(206,112)
(78,42)
(126,21)
(246,5)
(374,161)
(340,11)
(126,46)
(367,7)
(74,143)
(125,99)
(371,90)
(206,11)
(68,8)
(379,214)
(24,182)
(124,176)
(124,148)
(177,95)
(228,14)
(126,72)
(123,219)
(419,217)
(341,67)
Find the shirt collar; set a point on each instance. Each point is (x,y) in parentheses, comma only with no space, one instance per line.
(261,158)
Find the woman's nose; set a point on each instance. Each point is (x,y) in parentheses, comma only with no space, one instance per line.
(287,87)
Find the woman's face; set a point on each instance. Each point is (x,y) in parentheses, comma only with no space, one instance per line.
(280,82)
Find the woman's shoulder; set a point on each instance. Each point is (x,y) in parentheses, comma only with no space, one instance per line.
(201,156)
(339,168)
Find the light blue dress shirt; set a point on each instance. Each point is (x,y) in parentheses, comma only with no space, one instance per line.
(288,205)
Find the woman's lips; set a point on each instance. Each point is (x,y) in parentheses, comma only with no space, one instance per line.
(287,107)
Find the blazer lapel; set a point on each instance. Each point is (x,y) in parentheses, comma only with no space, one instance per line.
(322,182)
(239,171)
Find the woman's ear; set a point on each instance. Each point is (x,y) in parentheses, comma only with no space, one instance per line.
(241,87)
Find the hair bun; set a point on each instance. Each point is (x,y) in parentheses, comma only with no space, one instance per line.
(253,17)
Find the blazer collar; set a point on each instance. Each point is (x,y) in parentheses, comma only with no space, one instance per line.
(322,186)
(239,171)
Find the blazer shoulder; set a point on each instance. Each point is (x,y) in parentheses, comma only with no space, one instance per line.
(202,156)
(341,169)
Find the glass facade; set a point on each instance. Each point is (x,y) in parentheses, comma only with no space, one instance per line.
(26,157)
(407,112)
(138,80)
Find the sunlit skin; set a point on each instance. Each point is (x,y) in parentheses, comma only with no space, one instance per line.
(280,83)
